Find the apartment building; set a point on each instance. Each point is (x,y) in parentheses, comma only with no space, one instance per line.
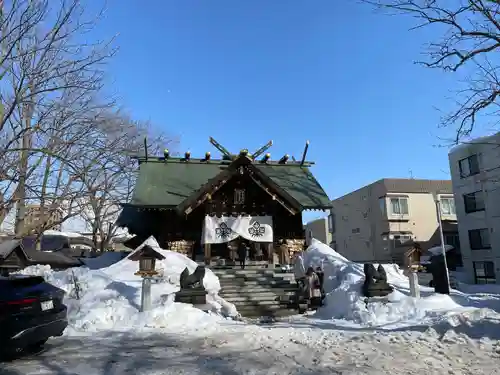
(319,230)
(35,217)
(372,224)
(475,173)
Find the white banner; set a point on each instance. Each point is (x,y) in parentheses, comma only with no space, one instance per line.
(227,228)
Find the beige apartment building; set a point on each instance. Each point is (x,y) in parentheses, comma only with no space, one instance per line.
(34,218)
(372,224)
(319,230)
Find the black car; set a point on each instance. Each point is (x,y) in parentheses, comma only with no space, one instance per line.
(31,311)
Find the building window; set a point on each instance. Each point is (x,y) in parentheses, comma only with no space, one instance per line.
(381,203)
(474,202)
(239,196)
(331,223)
(452,239)
(479,239)
(469,166)
(402,238)
(399,206)
(484,272)
(356,231)
(448,206)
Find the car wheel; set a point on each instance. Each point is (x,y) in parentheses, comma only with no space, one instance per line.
(9,354)
(41,342)
(36,347)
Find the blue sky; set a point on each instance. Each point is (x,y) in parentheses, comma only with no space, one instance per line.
(244,72)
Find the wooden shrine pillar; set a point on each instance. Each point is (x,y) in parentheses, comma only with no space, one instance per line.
(208,253)
(270,253)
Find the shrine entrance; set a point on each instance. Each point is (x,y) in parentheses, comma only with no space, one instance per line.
(224,229)
(222,236)
(257,251)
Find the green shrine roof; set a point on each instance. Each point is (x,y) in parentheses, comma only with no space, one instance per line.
(168,183)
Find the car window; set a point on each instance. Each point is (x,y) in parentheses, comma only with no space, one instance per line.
(48,243)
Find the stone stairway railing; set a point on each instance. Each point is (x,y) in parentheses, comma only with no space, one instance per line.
(257,291)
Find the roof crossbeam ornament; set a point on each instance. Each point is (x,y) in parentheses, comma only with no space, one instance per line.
(261,150)
(304,154)
(146,148)
(221,148)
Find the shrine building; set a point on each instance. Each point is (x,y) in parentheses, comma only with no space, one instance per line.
(204,205)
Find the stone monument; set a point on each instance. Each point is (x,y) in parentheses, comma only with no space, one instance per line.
(192,290)
(375,284)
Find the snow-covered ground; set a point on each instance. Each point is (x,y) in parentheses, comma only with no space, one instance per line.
(343,280)
(108,298)
(287,348)
(456,334)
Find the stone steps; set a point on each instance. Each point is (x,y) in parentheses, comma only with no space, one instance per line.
(229,265)
(258,291)
(268,311)
(249,289)
(258,276)
(259,295)
(253,273)
(247,269)
(262,279)
(259,300)
(265,283)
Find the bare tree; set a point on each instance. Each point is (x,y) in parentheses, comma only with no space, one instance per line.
(469,41)
(111,181)
(51,87)
(64,147)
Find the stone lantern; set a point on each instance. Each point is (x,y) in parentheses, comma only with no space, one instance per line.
(146,257)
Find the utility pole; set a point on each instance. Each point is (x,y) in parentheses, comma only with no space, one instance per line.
(437,201)
(23,168)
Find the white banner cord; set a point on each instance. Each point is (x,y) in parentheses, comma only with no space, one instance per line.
(227,228)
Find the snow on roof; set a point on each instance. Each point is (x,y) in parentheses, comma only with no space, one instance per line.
(51,232)
(436,250)
(467,143)
(6,247)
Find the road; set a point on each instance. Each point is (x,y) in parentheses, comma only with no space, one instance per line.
(281,348)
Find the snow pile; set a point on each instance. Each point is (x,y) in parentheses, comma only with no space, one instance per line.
(343,282)
(109,298)
(104,260)
(51,232)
